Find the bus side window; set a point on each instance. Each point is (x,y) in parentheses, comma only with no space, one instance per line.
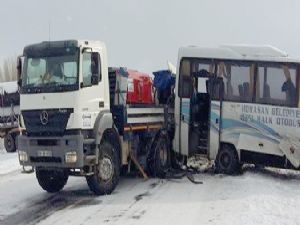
(190,70)
(289,87)
(224,73)
(185,86)
(239,84)
(277,85)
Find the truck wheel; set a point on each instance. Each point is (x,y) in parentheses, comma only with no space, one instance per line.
(158,161)
(10,142)
(52,180)
(107,172)
(227,160)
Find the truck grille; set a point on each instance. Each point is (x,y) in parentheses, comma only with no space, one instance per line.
(47,122)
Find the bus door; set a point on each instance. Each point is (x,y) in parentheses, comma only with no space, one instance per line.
(194,118)
(199,117)
(215,89)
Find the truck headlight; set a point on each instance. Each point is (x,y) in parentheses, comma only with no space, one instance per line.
(71,157)
(23,157)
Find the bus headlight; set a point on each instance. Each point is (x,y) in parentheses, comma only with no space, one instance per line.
(23,157)
(71,157)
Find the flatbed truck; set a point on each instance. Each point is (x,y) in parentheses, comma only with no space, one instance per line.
(83,118)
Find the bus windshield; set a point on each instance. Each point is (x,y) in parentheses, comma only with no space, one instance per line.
(50,71)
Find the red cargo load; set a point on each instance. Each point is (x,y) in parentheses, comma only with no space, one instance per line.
(139,90)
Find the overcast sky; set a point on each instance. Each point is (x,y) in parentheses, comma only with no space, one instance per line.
(144,34)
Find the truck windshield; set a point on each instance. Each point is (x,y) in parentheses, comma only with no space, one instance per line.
(51,70)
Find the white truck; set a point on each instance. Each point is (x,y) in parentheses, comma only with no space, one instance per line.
(83,118)
(9,114)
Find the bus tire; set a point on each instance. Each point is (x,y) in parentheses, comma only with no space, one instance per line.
(159,158)
(52,180)
(10,142)
(107,172)
(227,160)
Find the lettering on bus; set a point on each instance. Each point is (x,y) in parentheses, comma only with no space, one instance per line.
(270,115)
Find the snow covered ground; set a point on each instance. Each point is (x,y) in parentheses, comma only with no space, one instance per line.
(255,197)
(8,162)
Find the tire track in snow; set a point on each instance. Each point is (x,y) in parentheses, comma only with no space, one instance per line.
(38,211)
(129,211)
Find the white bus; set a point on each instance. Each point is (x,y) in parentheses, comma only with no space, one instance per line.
(238,104)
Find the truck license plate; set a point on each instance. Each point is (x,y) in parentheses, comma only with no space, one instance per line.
(44,153)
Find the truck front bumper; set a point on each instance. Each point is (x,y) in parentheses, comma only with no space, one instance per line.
(63,152)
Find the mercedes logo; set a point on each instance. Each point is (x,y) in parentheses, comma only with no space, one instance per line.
(44,117)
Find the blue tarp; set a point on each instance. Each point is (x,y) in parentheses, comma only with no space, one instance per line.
(163,80)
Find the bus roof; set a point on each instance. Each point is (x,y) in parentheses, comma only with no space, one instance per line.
(238,52)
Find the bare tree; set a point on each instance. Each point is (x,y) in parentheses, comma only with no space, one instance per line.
(9,69)
(1,74)
(13,67)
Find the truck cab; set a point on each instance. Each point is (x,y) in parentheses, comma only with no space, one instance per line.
(77,118)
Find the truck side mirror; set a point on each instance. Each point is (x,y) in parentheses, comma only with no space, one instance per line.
(94,79)
(95,63)
(19,82)
(19,70)
(95,68)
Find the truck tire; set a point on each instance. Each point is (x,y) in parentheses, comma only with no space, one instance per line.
(52,180)
(107,172)
(10,142)
(227,160)
(159,159)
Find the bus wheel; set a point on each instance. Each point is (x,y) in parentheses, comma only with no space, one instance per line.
(10,142)
(227,160)
(52,180)
(158,160)
(107,172)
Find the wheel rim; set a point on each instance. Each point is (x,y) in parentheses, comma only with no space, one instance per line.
(225,160)
(106,169)
(9,143)
(163,154)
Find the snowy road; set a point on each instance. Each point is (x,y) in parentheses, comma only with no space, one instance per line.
(256,197)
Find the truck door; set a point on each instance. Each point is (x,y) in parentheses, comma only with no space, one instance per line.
(215,89)
(92,89)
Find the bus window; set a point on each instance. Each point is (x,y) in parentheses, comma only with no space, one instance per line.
(277,85)
(190,70)
(239,82)
(224,73)
(185,82)
(202,68)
